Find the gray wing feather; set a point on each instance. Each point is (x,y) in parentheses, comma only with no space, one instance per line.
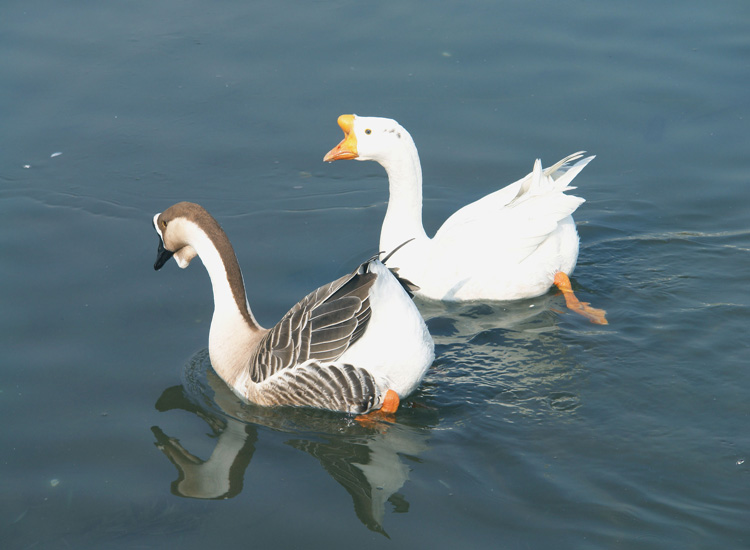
(321,326)
(335,387)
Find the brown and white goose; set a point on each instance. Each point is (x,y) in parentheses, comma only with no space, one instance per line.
(355,345)
(513,243)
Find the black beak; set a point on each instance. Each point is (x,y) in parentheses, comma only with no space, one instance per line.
(162,256)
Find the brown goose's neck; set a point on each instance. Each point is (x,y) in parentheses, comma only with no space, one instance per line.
(217,255)
(234,331)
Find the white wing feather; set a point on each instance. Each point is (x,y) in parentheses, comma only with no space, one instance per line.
(518,217)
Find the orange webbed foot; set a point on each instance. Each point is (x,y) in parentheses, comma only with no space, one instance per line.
(597,316)
(386,413)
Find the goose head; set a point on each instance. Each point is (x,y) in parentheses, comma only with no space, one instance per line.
(179,226)
(370,138)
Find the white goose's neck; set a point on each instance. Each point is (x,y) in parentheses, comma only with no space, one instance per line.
(234,330)
(403,218)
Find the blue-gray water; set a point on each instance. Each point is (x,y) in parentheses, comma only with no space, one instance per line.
(533,429)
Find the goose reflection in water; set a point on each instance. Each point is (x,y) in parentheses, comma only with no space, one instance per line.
(368,461)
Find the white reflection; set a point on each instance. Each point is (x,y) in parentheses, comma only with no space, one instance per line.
(367,460)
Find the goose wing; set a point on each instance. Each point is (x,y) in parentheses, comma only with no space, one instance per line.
(526,211)
(337,387)
(554,178)
(320,327)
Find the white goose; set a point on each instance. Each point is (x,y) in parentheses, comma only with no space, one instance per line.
(511,244)
(356,345)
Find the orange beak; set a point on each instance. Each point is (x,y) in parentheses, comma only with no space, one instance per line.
(347,149)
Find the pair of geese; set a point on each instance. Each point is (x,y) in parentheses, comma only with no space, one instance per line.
(359,344)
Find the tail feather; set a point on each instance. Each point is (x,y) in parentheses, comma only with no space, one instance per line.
(555,178)
(550,171)
(565,176)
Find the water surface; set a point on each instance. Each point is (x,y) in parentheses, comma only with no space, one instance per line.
(533,429)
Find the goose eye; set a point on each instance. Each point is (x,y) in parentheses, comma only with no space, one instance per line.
(164,224)
(368,131)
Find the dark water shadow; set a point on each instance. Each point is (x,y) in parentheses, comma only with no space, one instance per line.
(372,462)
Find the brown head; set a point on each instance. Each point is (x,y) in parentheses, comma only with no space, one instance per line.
(186,230)
(174,233)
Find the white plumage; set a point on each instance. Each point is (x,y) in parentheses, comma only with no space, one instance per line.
(508,245)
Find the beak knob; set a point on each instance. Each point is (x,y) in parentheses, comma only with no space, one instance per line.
(347,149)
